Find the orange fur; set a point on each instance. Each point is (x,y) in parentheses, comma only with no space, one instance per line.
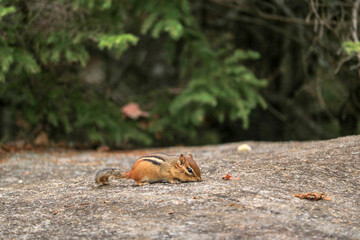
(157,168)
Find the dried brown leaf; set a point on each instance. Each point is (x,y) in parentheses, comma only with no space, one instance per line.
(313,196)
(103,148)
(42,140)
(229,177)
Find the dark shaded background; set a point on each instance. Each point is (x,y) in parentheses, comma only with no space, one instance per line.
(313,89)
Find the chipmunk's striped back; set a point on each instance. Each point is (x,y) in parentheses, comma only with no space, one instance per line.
(156,158)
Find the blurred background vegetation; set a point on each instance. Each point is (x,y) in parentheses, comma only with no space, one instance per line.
(159,72)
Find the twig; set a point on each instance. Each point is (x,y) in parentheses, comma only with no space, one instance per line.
(341,62)
(355,13)
(322,102)
(245,8)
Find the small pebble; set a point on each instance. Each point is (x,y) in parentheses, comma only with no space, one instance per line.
(244,148)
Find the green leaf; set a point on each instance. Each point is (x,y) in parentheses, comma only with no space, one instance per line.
(55,56)
(95,136)
(65,121)
(157,29)
(106,4)
(52,118)
(174,28)
(26,62)
(351,47)
(6,10)
(2,77)
(116,41)
(148,22)
(185,6)
(6,58)
(183,100)
(197,116)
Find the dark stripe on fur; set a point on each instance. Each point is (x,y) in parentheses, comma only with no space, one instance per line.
(152,161)
(154,156)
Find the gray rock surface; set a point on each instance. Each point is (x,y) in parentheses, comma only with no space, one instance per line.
(50,195)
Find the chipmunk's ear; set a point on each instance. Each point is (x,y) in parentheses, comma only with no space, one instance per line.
(190,155)
(182,159)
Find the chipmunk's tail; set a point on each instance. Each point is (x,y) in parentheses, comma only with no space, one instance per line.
(102,176)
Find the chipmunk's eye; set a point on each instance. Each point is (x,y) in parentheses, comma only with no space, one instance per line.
(189,170)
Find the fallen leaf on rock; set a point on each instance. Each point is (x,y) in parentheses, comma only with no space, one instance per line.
(55,212)
(61,144)
(236,205)
(171,211)
(15,146)
(147,204)
(103,148)
(194,197)
(313,196)
(228,177)
(5,148)
(42,140)
(22,123)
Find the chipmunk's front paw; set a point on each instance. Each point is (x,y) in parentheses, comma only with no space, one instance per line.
(142,183)
(174,181)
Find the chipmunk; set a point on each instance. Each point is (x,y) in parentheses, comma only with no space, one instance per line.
(157,167)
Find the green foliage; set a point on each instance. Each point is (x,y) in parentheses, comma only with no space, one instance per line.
(61,45)
(229,91)
(351,47)
(119,43)
(6,10)
(165,16)
(67,110)
(8,55)
(45,46)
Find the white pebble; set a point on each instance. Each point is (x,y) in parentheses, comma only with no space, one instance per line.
(244,148)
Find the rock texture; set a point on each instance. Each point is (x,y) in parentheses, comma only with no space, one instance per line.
(50,195)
